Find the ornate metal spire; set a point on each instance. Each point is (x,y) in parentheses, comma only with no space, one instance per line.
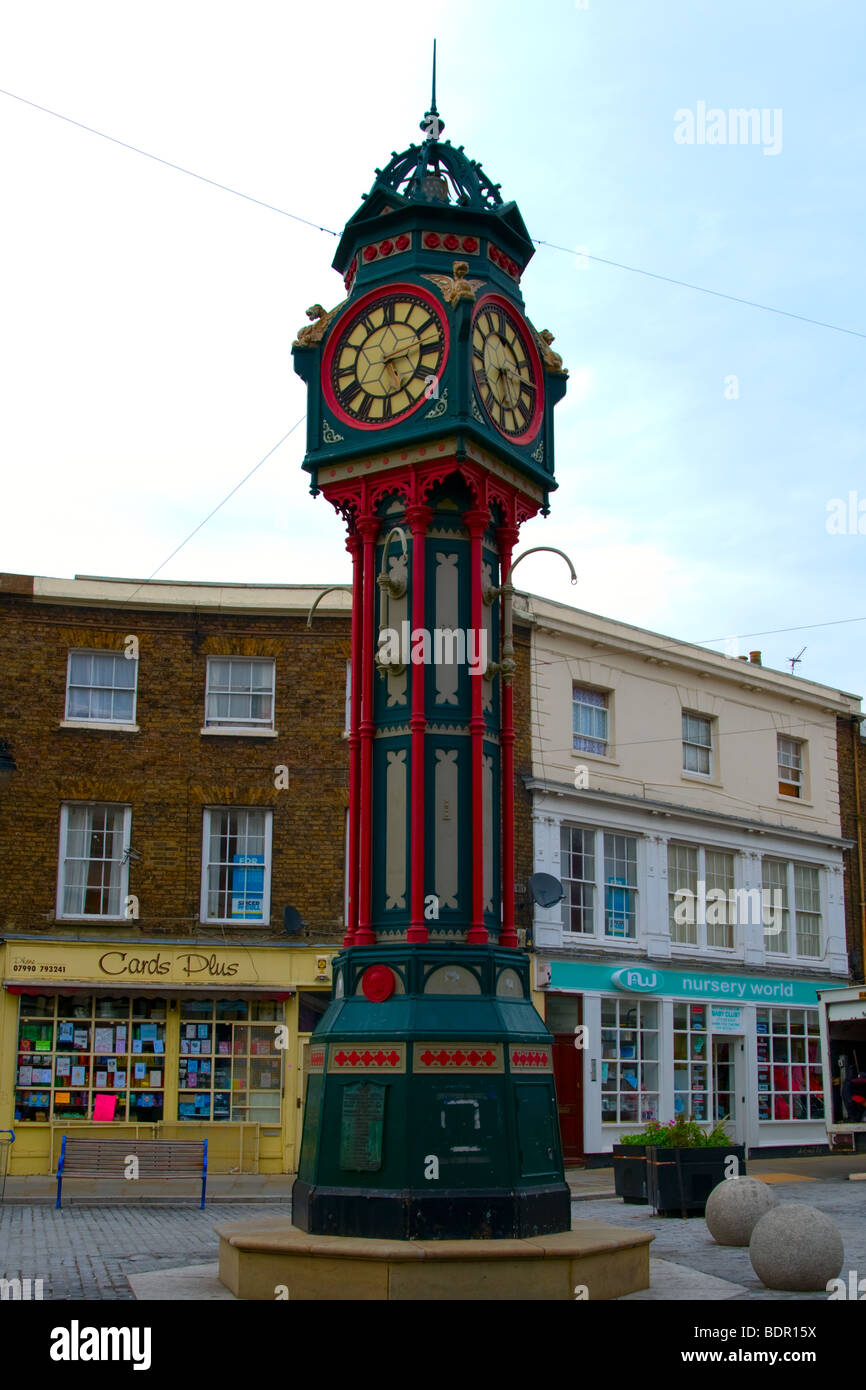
(432,124)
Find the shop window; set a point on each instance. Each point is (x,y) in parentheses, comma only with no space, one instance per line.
(236,866)
(94,861)
(697,744)
(82,1057)
(690,1061)
(789,1065)
(790,760)
(101,686)
(786,883)
(230,1067)
(590,720)
(629,1061)
(701,897)
(240,693)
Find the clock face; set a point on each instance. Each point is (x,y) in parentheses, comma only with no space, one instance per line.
(383,355)
(507,369)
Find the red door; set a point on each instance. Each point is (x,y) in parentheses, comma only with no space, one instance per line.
(568,1075)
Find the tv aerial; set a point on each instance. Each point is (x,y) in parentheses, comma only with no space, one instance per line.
(795,660)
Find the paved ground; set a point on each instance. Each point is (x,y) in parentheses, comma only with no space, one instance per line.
(84,1250)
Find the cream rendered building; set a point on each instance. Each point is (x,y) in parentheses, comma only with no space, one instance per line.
(688,802)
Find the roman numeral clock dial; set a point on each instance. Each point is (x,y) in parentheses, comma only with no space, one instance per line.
(382,354)
(507,369)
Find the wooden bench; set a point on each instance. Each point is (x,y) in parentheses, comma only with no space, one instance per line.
(108,1158)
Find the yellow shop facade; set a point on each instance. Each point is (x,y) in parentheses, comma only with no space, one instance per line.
(158,1039)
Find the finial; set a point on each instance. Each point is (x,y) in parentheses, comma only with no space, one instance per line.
(432,124)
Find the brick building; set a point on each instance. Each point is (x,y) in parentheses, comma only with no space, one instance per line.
(181,781)
(852,789)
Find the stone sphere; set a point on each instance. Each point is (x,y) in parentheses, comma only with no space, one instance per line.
(796,1247)
(735,1207)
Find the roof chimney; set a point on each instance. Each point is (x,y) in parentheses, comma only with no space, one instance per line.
(755,658)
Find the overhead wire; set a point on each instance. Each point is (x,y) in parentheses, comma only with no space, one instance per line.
(553,246)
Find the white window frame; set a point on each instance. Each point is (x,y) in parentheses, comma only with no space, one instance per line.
(249,724)
(125,833)
(701,747)
(701,926)
(100,721)
(797,746)
(792,910)
(576,703)
(601,885)
(257,922)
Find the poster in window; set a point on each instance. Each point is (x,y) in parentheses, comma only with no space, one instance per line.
(248,886)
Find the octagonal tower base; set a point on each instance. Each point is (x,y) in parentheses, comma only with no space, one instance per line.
(430,1103)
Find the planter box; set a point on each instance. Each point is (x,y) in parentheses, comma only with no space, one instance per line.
(629,1173)
(679,1181)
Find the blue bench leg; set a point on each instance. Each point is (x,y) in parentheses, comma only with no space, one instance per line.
(59,1185)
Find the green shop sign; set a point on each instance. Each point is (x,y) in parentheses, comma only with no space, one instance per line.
(683,984)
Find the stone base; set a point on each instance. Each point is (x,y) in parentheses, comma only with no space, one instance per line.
(271,1260)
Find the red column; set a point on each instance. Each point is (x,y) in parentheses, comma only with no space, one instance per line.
(368,526)
(418,518)
(507,538)
(353,545)
(477,522)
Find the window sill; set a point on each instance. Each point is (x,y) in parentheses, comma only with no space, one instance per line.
(236,731)
(702,778)
(580,754)
(97,921)
(793,801)
(679,948)
(234,922)
(100,725)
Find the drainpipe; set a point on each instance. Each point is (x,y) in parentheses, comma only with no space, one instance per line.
(858,820)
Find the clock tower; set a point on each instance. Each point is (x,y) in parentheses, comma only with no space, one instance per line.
(430,1103)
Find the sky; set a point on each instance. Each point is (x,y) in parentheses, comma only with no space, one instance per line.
(710,455)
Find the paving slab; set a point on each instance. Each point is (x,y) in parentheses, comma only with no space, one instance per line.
(670,1283)
(199,1283)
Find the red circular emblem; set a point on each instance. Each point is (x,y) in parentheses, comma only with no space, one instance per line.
(370,253)
(432,239)
(378,983)
(386,247)
(451,242)
(470,244)
(402,242)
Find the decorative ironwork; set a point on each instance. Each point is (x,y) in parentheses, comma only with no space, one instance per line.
(329,434)
(440,408)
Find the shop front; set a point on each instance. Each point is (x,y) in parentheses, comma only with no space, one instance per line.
(157,1040)
(634,1043)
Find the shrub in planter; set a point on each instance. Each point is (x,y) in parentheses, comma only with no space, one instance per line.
(629,1163)
(685,1163)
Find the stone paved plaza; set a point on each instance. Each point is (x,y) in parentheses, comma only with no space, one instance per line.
(86,1251)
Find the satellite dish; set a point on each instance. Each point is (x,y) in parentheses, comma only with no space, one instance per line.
(546,890)
(292,921)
